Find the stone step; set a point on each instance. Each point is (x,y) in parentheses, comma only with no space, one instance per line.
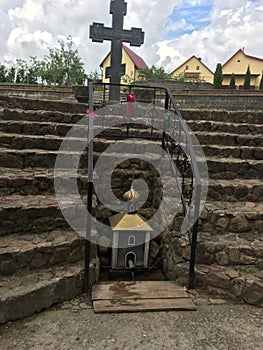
(228,251)
(239,152)
(35,127)
(28,292)
(51,142)
(241,219)
(231,168)
(215,138)
(224,168)
(240,117)
(40,213)
(41,105)
(225,127)
(35,251)
(37,158)
(247,190)
(41,116)
(35,181)
(238,283)
(34,214)
(41,181)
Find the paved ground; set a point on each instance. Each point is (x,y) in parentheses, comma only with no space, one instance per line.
(73,325)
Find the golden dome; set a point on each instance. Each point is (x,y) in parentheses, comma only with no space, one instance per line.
(131,194)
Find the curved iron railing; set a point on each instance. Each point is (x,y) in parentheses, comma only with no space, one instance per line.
(181,155)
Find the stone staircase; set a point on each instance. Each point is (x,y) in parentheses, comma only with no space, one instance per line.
(230,240)
(41,258)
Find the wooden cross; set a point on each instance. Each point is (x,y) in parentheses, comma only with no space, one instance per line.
(117,35)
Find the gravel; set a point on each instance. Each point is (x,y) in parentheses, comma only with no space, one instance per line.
(73,325)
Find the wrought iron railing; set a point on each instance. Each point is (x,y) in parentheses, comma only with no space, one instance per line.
(176,140)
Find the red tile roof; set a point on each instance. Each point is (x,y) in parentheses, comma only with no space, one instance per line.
(137,60)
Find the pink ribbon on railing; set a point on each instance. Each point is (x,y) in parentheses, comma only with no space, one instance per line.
(130,103)
(93,114)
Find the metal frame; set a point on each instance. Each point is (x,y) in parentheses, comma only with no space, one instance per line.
(169,104)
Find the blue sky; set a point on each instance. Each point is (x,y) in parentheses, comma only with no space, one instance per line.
(186,18)
(174,29)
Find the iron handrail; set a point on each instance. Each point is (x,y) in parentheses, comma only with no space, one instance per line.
(169,101)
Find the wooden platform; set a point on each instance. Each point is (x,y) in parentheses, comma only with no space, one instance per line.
(140,296)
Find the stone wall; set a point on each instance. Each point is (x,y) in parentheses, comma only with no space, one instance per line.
(220,102)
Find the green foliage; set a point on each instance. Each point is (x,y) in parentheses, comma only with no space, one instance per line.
(261,82)
(62,66)
(232,82)
(153,73)
(247,78)
(129,79)
(94,76)
(218,77)
(182,77)
(3,73)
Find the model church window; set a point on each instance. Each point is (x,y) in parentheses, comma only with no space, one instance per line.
(131,240)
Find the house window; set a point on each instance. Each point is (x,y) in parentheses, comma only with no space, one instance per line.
(131,240)
(197,67)
(187,67)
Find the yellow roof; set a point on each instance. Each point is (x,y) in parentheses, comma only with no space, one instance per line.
(134,222)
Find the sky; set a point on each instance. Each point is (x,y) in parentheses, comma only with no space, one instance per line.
(174,29)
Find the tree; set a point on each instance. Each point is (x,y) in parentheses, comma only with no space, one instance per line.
(3,73)
(153,73)
(11,75)
(218,77)
(261,82)
(93,76)
(182,77)
(63,66)
(233,82)
(247,78)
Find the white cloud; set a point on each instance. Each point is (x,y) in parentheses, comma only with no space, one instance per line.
(234,24)
(29,27)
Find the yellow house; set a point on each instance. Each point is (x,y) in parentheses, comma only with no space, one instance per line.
(238,64)
(194,68)
(133,64)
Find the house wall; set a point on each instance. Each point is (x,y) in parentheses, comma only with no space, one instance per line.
(192,64)
(130,69)
(238,65)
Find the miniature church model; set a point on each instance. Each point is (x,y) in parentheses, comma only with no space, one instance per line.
(131,237)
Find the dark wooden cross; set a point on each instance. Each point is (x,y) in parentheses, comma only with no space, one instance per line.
(117,35)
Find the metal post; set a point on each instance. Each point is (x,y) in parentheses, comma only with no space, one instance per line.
(191,283)
(86,283)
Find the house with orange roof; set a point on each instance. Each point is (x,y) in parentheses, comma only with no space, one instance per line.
(238,65)
(194,68)
(133,64)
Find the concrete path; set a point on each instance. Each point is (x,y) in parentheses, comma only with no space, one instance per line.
(73,325)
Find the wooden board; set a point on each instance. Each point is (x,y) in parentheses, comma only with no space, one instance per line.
(140,296)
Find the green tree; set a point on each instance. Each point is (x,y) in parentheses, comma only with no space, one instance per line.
(182,77)
(21,71)
(261,82)
(3,73)
(11,74)
(218,77)
(233,82)
(63,65)
(247,79)
(94,76)
(153,73)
